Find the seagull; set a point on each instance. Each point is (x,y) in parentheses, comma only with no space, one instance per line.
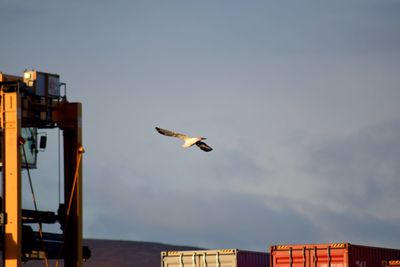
(188,141)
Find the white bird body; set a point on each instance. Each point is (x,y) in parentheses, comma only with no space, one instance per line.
(190,141)
(187,140)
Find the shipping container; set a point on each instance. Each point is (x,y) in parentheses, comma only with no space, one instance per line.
(214,258)
(391,263)
(330,255)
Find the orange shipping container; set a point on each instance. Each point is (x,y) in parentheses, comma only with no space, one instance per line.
(391,263)
(330,255)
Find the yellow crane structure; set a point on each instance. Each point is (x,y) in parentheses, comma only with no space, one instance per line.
(34,100)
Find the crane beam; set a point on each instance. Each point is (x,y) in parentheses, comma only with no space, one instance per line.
(11,124)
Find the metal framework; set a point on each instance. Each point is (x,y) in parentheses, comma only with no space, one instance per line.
(33,101)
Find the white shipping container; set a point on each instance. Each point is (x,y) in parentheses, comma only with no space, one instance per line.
(214,258)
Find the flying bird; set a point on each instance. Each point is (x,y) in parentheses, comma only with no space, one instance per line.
(188,141)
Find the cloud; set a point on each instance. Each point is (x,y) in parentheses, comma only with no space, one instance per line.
(359,174)
(361,171)
(211,219)
(357,228)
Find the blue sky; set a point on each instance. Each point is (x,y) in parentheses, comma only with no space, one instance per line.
(299,99)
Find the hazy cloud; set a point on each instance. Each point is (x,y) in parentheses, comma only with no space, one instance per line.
(360,172)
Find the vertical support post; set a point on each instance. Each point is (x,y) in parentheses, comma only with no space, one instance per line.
(72,129)
(11,124)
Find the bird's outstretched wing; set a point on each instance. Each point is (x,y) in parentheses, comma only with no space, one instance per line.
(203,146)
(171,133)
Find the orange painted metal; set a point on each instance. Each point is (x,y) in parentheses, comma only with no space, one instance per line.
(330,255)
(11,125)
(394,263)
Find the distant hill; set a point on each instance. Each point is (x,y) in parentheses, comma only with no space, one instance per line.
(112,253)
